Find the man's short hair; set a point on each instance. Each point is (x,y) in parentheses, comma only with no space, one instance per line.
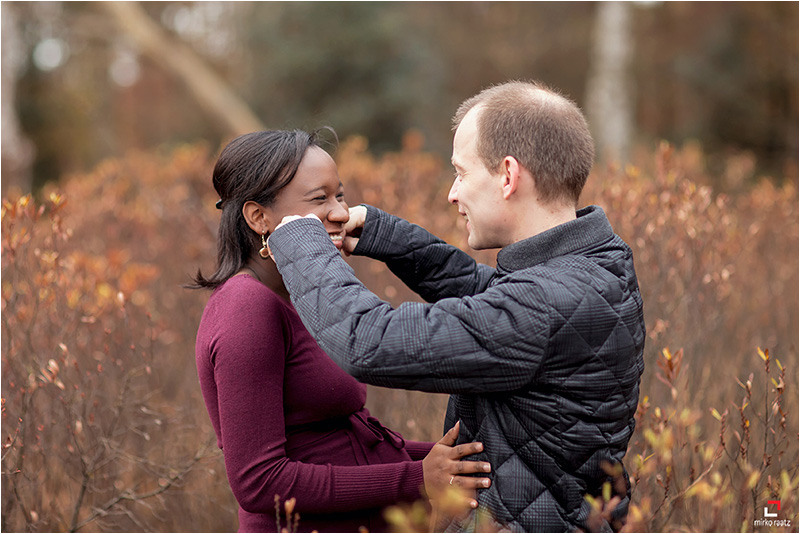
(545,131)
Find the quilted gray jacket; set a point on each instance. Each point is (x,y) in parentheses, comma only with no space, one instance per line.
(543,355)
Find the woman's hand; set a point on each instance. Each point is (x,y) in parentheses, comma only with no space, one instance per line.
(353,227)
(443,469)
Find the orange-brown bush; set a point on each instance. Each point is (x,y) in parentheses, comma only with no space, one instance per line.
(717,422)
(104,425)
(100,418)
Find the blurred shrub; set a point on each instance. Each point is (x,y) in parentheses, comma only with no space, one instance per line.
(104,427)
(696,469)
(100,406)
(718,271)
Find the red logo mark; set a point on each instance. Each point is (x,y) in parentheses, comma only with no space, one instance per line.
(766,510)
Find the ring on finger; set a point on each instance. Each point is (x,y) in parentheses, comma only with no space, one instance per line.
(452,478)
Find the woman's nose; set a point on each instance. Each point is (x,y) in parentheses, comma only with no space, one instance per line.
(339,213)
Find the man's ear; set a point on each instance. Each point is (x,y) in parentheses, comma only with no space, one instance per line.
(510,170)
(258,218)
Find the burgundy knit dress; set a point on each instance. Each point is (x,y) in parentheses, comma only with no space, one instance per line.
(291,423)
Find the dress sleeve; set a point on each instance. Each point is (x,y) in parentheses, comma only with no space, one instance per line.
(418,450)
(248,359)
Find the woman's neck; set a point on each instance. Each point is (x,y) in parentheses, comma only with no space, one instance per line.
(266,272)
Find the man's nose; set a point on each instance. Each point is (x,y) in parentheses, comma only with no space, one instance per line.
(452,196)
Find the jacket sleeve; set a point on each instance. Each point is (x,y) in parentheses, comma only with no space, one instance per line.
(248,358)
(476,344)
(426,264)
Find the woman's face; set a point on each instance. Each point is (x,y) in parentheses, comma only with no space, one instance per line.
(316,189)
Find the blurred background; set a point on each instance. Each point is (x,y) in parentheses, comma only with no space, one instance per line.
(113,114)
(84,81)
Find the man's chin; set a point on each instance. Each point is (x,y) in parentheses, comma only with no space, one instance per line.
(477,244)
(474,243)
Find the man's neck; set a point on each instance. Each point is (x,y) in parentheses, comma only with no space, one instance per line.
(541,218)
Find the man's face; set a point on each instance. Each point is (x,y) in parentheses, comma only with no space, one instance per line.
(476,191)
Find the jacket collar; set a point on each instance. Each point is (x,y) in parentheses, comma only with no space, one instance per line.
(590,227)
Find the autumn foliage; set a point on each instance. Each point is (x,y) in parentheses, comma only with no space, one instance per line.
(104,427)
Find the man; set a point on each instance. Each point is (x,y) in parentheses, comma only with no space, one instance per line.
(543,355)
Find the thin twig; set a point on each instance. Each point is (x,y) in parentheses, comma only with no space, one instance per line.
(129,495)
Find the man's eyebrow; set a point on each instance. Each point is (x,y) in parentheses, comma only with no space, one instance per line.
(455,163)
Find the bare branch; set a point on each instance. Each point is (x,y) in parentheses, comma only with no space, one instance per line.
(212,92)
(129,495)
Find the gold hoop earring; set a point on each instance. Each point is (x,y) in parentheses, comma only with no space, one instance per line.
(264,252)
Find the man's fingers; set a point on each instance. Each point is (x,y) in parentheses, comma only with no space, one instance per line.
(449,439)
(290,218)
(353,227)
(358,215)
(349,245)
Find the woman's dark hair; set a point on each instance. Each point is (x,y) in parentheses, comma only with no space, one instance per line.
(254,166)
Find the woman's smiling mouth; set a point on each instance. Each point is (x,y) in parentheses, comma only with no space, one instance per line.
(337,238)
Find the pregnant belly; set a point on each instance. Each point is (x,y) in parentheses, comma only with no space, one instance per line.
(355,440)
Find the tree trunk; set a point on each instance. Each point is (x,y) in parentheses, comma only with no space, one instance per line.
(610,106)
(17,149)
(212,92)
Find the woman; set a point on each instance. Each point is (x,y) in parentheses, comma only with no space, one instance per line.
(289,421)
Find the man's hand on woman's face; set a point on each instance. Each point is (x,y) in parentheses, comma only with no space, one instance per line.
(290,218)
(353,228)
(285,220)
